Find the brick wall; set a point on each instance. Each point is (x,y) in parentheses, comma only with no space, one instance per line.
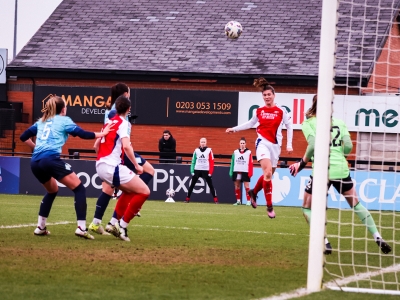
(145,137)
(385,77)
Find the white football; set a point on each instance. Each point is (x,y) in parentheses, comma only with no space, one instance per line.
(233,29)
(170,193)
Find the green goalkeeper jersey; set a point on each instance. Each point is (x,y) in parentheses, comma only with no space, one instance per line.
(338,166)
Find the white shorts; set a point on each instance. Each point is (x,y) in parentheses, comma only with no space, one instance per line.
(115,176)
(266,149)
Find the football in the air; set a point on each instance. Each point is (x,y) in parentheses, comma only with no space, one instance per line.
(233,29)
(170,193)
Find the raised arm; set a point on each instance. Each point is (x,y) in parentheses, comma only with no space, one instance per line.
(247,125)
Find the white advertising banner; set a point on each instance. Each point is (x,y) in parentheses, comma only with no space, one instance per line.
(3,65)
(360,113)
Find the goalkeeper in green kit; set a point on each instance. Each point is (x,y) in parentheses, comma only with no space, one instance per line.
(339,173)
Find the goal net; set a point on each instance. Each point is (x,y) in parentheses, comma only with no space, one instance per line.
(367,98)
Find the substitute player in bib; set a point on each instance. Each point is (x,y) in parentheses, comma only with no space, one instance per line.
(271,119)
(339,173)
(51,132)
(202,166)
(110,169)
(119,89)
(241,170)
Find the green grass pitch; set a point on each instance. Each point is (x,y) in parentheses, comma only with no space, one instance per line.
(177,251)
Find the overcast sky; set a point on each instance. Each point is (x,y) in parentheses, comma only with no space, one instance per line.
(31,15)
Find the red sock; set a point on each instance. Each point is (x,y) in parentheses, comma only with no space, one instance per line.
(247,194)
(267,186)
(238,194)
(134,206)
(259,185)
(122,204)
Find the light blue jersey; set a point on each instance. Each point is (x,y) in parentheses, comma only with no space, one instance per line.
(106,118)
(113,113)
(52,135)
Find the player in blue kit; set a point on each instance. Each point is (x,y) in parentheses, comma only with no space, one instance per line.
(51,132)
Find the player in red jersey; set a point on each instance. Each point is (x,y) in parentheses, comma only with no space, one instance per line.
(271,119)
(110,169)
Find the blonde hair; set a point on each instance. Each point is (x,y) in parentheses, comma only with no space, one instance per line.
(263,85)
(53,107)
(312,111)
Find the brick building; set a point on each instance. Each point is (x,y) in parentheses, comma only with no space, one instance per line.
(180,45)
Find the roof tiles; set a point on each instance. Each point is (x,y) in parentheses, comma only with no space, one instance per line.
(279,38)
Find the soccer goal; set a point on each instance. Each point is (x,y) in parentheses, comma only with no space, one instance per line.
(359,77)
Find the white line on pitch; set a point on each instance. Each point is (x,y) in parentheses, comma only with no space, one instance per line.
(211,213)
(293,294)
(33,225)
(164,227)
(217,229)
(340,282)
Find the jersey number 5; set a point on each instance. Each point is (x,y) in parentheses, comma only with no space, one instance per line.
(46,131)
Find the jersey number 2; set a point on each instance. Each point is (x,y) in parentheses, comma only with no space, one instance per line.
(336,141)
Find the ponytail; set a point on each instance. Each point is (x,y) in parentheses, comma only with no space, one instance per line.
(53,107)
(312,111)
(263,85)
(117,90)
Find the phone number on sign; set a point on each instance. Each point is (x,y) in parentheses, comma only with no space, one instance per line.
(203,105)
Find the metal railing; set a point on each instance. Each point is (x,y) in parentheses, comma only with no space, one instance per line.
(220,159)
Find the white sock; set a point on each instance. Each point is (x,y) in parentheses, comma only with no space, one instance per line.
(96,221)
(123,223)
(113,221)
(326,241)
(82,224)
(377,236)
(42,222)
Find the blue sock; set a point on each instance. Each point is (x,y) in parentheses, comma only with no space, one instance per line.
(146,177)
(115,215)
(46,204)
(101,205)
(80,202)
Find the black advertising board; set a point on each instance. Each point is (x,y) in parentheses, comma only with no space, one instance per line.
(166,176)
(154,107)
(84,104)
(188,108)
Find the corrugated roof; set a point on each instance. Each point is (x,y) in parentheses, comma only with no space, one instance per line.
(280,37)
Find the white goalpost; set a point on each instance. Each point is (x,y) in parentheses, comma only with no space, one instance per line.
(359,75)
(321,154)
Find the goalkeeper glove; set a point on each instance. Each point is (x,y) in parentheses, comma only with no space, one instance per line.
(297,167)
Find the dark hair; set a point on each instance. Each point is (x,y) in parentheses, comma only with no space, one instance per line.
(117,90)
(122,104)
(243,139)
(312,111)
(263,85)
(53,107)
(167,131)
